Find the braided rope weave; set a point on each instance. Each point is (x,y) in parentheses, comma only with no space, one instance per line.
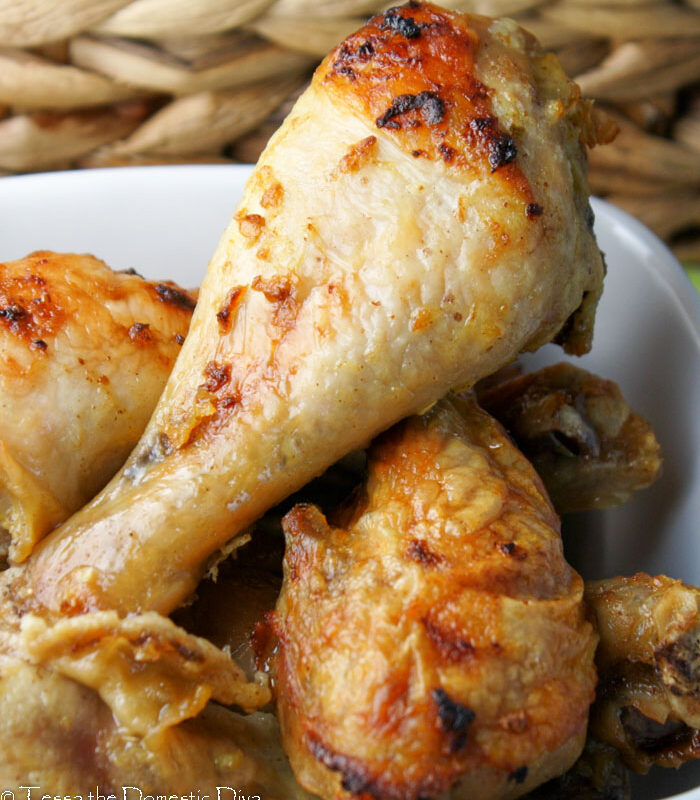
(88,83)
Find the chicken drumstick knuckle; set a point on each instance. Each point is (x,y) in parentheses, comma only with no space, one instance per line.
(420,218)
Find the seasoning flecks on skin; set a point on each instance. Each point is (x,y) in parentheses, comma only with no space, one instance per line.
(431,106)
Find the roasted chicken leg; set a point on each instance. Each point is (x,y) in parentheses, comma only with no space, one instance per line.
(433,643)
(648,705)
(420,218)
(586,443)
(86,353)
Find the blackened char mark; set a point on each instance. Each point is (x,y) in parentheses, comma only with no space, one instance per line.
(502,151)
(430,104)
(355,777)
(533,210)
(173,296)
(13,313)
(454,717)
(518,775)
(500,147)
(406,26)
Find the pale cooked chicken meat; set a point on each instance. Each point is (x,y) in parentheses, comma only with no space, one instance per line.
(85,355)
(648,703)
(419,219)
(433,643)
(586,443)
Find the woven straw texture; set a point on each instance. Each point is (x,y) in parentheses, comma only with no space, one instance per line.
(88,83)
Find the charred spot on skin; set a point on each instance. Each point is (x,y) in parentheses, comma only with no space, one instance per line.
(223,315)
(217,375)
(500,147)
(174,297)
(139,332)
(448,153)
(39,344)
(518,775)
(129,271)
(13,313)
(180,339)
(365,50)
(355,778)
(502,151)
(512,550)
(419,551)
(430,105)
(405,26)
(454,717)
(533,210)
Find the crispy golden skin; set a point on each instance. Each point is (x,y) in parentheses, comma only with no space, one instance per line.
(648,704)
(420,218)
(434,644)
(86,353)
(588,446)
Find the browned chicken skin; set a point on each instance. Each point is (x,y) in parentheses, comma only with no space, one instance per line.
(434,644)
(86,353)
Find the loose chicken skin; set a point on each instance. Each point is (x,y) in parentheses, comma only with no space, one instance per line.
(648,704)
(420,218)
(85,355)
(586,443)
(433,642)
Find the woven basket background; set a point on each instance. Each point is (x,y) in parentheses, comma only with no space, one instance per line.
(88,83)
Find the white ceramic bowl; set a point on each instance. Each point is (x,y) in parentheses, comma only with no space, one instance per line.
(166,221)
